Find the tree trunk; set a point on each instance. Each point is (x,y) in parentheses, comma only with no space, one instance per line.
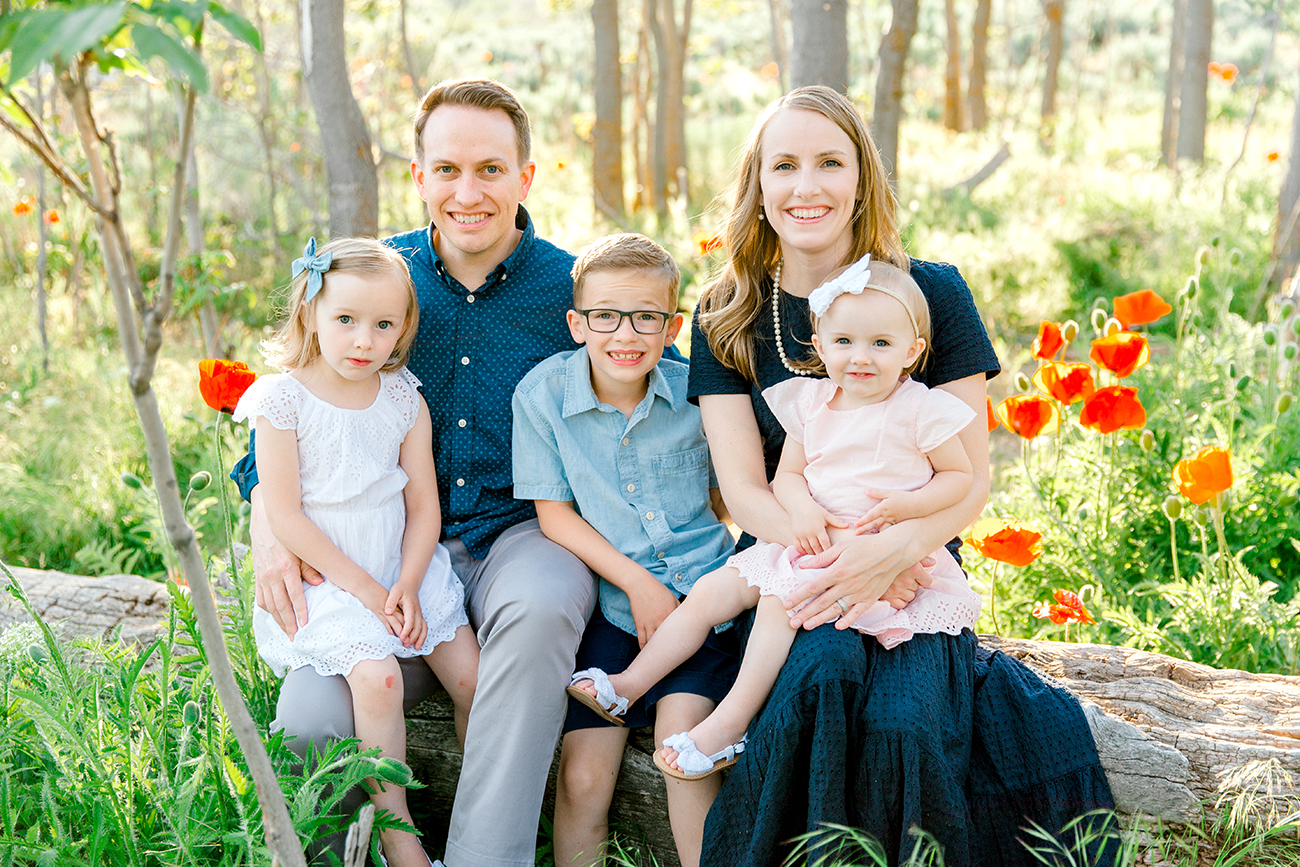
(670,117)
(266,132)
(1055,12)
(1173,84)
(607,134)
(819,53)
(780,53)
(349,162)
(42,253)
(952,102)
(1193,102)
(642,129)
(977,107)
(894,46)
(1286,239)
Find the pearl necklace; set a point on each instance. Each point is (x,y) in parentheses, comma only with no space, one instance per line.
(776,322)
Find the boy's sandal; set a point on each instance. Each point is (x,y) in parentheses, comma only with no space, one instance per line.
(693,764)
(606,703)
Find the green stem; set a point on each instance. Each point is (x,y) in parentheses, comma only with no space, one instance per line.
(1173,548)
(993,598)
(1052,516)
(1218,533)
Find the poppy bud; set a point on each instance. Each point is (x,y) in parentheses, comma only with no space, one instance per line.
(1232,370)
(390,770)
(1201,516)
(1214,241)
(1270,335)
(1203,254)
(1172,507)
(131,480)
(200,480)
(1243,383)
(38,653)
(1112,327)
(1147,440)
(1022,381)
(1098,320)
(1283,402)
(1190,287)
(1289,351)
(1084,513)
(1234,256)
(1286,499)
(191,713)
(245,510)
(1295,325)
(1069,330)
(1287,308)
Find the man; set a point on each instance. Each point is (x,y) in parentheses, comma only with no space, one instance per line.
(493,299)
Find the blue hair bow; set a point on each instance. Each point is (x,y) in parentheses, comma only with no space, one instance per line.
(317,265)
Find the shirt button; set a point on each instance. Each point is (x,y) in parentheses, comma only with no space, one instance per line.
(469,298)
(460,483)
(464,359)
(630,487)
(462,423)
(678,576)
(660,555)
(649,516)
(626,441)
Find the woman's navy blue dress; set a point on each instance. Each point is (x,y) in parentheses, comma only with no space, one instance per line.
(938,733)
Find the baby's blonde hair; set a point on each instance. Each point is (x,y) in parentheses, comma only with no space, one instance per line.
(897,284)
(294,345)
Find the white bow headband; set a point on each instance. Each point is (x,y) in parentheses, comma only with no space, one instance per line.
(855,279)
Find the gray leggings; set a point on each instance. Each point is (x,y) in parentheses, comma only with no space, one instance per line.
(528,600)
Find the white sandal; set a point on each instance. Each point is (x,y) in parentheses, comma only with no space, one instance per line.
(606,703)
(693,764)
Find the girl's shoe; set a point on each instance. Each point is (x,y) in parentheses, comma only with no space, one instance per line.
(607,704)
(693,764)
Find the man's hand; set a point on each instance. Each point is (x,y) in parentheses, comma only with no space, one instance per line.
(651,603)
(278,574)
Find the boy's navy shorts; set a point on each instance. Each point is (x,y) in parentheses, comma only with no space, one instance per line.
(710,672)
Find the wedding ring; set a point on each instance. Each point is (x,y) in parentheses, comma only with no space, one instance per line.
(844,606)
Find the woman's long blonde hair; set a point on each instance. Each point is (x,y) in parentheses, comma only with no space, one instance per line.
(294,345)
(731,303)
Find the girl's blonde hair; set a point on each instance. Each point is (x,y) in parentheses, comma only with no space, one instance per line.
(294,345)
(888,280)
(730,304)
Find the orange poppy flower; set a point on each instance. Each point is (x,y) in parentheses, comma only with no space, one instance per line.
(223,382)
(1139,308)
(1029,415)
(1112,408)
(23,206)
(1006,541)
(1121,353)
(993,417)
(1274,156)
(1068,607)
(1206,475)
(51,216)
(1068,383)
(705,242)
(1049,341)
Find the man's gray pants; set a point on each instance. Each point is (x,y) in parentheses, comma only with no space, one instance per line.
(529,601)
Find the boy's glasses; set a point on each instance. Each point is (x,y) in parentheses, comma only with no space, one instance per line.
(608,321)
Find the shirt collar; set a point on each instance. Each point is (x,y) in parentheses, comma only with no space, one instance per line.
(517,257)
(580,397)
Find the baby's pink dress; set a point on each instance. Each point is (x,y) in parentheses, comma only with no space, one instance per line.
(883,446)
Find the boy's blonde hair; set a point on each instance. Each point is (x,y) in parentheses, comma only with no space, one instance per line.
(294,345)
(627,252)
(888,280)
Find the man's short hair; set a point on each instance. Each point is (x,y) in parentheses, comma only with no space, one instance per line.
(627,252)
(477,93)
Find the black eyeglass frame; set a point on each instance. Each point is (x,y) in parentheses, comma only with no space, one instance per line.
(625,314)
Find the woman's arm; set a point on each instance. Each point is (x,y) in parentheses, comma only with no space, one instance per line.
(864,567)
(423,522)
(651,601)
(737,450)
(277,457)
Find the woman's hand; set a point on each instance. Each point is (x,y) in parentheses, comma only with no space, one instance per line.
(861,572)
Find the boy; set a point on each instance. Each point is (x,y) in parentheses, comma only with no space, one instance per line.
(607,445)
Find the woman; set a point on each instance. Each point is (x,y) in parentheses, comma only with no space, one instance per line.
(936,733)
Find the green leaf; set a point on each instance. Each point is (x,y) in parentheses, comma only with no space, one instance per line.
(236,25)
(150,41)
(47,33)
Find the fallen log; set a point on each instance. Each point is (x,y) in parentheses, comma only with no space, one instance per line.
(90,607)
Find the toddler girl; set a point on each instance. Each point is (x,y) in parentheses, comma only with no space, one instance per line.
(865,447)
(345,455)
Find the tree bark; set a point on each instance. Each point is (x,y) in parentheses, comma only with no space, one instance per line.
(1055,12)
(894,46)
(976,104)
(1173,84)
(607,133)
(345,140)
(1286,238)
(1193,98)
(952,101)
(670,117)
(819,52)
(642,127)
(780,52)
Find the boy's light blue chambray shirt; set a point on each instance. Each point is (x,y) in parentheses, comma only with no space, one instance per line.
(642,482)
